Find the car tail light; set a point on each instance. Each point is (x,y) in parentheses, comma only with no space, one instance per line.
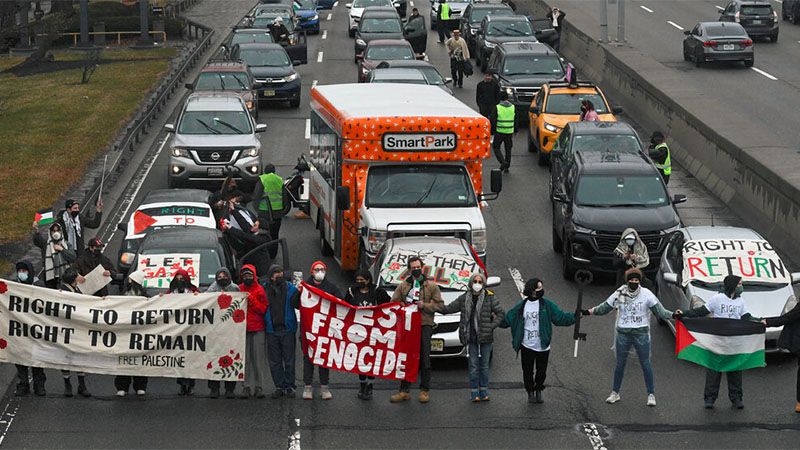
(736,17)
(747,43)
(710,44)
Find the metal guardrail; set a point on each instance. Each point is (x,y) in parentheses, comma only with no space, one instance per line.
(119,34)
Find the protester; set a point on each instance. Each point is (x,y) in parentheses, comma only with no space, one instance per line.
(25,275)
(123,382)
(487,94)
(658,150)
(73,223)
(632,253)
(69,283)
(504,125)
(365,294)
(729,305)
(317,279)
(443,20)
(280,324)
(531,321)
(557,17)
(56,254)
(223,283)
(245,232)
(633,303)
(424,293)
(458,51)
(182,284)
(270,200)
(588,114)
(481,313)
(279,31)
(255,363)
(788,340)
(89,260)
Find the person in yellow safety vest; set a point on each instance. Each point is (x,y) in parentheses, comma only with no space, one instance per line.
(442,21)
(659,153)
(268,195)
(503,128)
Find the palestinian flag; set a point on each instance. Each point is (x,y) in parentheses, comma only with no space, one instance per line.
(44,217)
(724,345)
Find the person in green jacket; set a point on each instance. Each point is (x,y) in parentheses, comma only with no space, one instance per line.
(531,321)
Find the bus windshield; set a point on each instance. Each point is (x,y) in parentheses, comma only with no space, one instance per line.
(419,186)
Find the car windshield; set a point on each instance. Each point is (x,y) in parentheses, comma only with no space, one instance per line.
(265,58)
(479,13)
(517,28)
(380,26)
(225,81)
(728,30)
(401,80)
(390,52)
(414,186)
(537,65)
(210,260)
(606,143)
(571,103)
(619,191)
(215,122)
(756,10)
(259,38)
(305,4)
(368,3)
(277,10)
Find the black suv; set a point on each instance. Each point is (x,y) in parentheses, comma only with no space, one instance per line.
(473,15)
(496,30)
(522,68)
(598,199)
(756,16)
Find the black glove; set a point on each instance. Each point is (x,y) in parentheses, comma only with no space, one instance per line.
(586,312)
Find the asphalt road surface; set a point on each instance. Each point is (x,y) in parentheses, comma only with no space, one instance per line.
(574,414)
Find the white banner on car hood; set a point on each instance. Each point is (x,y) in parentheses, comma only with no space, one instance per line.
(711,260)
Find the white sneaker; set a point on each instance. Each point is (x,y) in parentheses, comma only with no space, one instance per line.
(140,392)
(651,400)
(613,398)
(325,393)
(308,393)
(121,393)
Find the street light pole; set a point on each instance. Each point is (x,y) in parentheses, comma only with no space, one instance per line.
(621,20)
(603,20)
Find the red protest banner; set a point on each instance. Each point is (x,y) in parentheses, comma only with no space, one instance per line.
(381,341)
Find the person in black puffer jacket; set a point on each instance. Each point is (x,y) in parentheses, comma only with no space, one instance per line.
(789,339)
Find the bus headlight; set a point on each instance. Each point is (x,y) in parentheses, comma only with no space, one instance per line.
(375,238)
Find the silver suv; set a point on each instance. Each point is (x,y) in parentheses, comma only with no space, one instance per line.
(214,132)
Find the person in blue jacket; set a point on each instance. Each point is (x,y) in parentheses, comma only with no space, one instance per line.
(281,327)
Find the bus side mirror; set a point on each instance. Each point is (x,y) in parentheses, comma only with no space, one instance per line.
(342,198)
(495,181)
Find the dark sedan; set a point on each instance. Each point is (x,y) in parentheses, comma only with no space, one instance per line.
(718,41)
(383,50)
(376,23)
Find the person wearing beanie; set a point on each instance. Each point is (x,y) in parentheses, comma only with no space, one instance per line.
(57,256)
(318,279)
(531,321)
(280,325)
(727,304)
(634,304)
(73,223)
(256,341)
(89,260)
(481,313)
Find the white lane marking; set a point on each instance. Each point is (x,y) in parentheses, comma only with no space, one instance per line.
(675,25)
(595,440)
(646,8)
(294,438)
(719,7)
(330,16)
(335,4)
(313,83)
(518,281)
(308,128)
(9,412)
(764,73)
(319,57)
(324,34)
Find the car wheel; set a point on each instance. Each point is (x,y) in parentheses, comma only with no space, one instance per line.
(543,159)
(567,269)
(351,33)
(698,58)
(685,55)
(749,63)
(324,247)
(774,38)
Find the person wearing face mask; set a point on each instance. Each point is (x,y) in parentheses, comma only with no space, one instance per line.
(280,325)
(91,258)
(634,304)
(727,304)
(56,254)
(531,321)
(256,343)
(73,223)
(245,232)
(69,283)
(424,293)
(658,150)
(318,280)
(182,284)
(632,253)
(481,313)
(25,275)
(222,283)
(366,294)
(123,382)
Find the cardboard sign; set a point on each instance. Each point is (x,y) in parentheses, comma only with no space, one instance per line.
(160,269)
(449,270)
(711,260)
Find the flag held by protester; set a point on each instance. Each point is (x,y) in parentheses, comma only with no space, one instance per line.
(44,217)
(724,345)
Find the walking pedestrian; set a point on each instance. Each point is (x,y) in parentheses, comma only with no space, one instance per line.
(633,303)
(789,339)
(728,305)
(458,51)
(481,313)
(424,293)
(442,20)
(556,17)
(73,223)
(255,363)
(280,324)
(223,283)
(366,294)
(123,382)
(182,284)
(89,260)
(56,254)
(25,275)
(658,150)
(69,283)
(504,125)
(531,321)
(318,280)
(487,94)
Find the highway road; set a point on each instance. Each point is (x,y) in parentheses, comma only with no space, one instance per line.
(519,242)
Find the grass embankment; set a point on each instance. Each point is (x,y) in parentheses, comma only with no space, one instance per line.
(53,126)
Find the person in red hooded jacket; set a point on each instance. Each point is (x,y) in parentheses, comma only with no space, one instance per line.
(182,284)
(256,343)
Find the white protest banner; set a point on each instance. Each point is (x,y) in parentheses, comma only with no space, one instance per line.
(177,335)
(711,260)
(160,269)
(449,270)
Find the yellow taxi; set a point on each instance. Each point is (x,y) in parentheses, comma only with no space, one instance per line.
(556,105)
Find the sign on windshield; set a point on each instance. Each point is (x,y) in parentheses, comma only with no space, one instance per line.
(448,270)
(160,269)
(711,260)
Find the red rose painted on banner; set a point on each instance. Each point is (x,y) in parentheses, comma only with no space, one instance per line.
(210,365)
(3,344)
(238,316)
(225,361)
(241,375)
(237,357)
(3,287)
(394,266)
(463,273)
(224,301)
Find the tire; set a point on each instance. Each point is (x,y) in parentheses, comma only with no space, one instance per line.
(351,33)
(543,159)
(531,142)
(324,247)
(698,60)
(774,38)
(685,55)
(749,63)
(567,269)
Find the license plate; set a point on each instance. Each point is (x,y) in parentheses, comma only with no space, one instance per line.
(437,345)
(727,47)
(758,22)
(268,93)
(215,171)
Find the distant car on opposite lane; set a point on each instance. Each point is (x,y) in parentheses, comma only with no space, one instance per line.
(718,41)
